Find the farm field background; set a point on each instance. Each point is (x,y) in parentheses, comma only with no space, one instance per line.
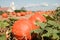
(29,23)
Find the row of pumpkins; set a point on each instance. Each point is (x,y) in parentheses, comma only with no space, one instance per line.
(6,15)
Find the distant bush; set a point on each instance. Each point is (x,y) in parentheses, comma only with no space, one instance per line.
(1,12)
(20,11)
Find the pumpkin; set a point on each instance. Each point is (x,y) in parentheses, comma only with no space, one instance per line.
(37,17)
(23,13)
(22,28)
(29,12)
(13,13)
(18,14)
(5,15)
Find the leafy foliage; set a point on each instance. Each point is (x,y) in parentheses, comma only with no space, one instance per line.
(1,12)
(3,24)
(49,29)
(3,37)
(11,21)
(21,10)
(57,14)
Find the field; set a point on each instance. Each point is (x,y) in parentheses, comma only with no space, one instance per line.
(42,25)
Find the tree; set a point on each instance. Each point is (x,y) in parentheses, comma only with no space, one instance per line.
(21,10)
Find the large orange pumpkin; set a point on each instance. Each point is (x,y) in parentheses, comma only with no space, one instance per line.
(23,28)
(37,17)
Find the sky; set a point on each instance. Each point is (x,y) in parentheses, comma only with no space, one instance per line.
(32,4)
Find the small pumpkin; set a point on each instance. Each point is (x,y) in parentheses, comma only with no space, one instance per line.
(5,15)
(18,14)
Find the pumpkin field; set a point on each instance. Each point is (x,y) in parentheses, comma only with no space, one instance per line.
(30,25)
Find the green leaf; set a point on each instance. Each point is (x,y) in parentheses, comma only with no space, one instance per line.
(50,30)
(55,31)
(3,37)
(36,31)
(43,25)
(58,25)
(52,23)
(58,34)
(52,17)
(3,24)
(46,35)
(55,36)
(49,18)
(45,15)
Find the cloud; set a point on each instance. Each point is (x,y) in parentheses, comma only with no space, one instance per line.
(56,5)
(32,5)
(44,4)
